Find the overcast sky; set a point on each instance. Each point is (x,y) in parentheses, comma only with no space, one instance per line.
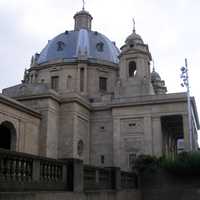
(171,28)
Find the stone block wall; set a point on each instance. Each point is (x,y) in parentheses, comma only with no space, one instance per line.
(25,123)
(102,138)
(106,195)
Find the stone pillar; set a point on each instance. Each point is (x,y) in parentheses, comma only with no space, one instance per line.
(116,177)
(116,142)
(85,79)
(84,67)
(75,136)
(148,140)
(36,170)
(21,137)
(157,136)
(75,172)
(78,79)
(186,133)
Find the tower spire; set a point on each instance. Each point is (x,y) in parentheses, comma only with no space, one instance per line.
(153,65)
(133,24)
(83,8)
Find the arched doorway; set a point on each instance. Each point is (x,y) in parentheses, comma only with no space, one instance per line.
(7,136)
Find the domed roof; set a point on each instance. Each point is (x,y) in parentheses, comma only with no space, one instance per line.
(155,76)
(134,38)
(72,44)
(82,12)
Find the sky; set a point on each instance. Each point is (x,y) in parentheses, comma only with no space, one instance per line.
(171,29)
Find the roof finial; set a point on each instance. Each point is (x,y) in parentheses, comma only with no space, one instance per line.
(83,5)
(153,65)
(133,24)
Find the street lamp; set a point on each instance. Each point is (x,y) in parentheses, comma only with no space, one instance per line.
(185,83)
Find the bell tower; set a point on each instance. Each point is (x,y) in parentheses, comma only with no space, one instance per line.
(135,75)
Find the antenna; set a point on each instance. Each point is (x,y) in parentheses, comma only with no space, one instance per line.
(133,24)
(83,5)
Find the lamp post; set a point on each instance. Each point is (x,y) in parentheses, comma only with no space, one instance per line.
(185,78)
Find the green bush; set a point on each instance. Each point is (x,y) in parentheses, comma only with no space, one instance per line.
(184,163)
(146,163)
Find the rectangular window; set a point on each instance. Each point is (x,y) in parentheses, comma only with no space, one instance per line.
(102,83)
(54,82)
(131,160)
(102,159)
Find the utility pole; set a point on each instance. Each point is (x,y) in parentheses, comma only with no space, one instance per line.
(185,83)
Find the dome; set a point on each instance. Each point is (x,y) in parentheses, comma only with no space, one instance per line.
(155,76)
(82,42)
(134,38)
(83,12)
(72,44)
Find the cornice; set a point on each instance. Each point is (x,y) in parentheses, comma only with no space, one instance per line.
(19,106)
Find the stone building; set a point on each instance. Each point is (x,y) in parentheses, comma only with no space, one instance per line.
(84,98)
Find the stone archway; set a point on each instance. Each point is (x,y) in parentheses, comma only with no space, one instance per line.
(7,136)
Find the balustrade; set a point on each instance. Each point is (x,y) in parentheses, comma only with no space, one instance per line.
(128,180)
(29,172)
(25,172)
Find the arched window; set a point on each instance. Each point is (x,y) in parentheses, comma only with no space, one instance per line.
(60,46)
(82,79)
(69,82)
(100,46)
(7,136)
(132,69)
(80,147)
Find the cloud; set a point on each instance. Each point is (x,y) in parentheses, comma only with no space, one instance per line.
(170,28)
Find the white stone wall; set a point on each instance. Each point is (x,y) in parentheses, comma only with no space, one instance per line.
(137,129)
(91,78)
(65,135)
(27,128)
(48,138)
(64,73)
(74,126)
(101,138)
(94,72)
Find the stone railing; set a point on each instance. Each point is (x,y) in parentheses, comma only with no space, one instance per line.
(128,180)
(25,172)
(19,171)
(96,178)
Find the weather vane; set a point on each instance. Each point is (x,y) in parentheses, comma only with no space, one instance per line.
(133,24)
(83,4)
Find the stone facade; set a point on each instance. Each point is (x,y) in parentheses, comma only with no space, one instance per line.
(24,124)
(97,103)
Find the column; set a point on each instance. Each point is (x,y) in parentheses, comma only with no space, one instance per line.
(148,140)
(116,142)
(75,176)
(157,136)
(85,79)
